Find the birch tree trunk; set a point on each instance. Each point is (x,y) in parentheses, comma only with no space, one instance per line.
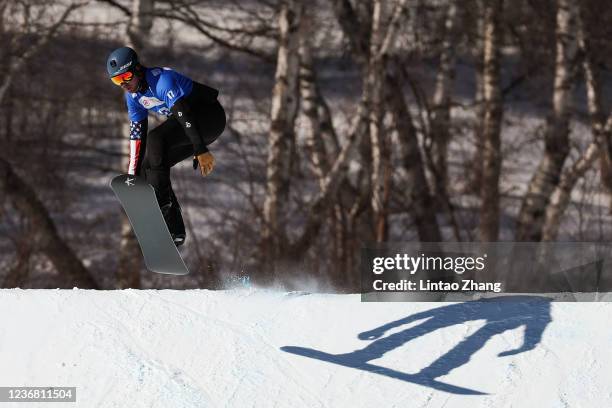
(440,120)
(285,97)
(475,169)
(491,127)
(330,185)
(378,142)
(330,160)
(310,101)
(363,120)
(130,259)
(141,22)
(602,134)
(423,208)
(319,130)
(547,176)
(382,41)
(382,91)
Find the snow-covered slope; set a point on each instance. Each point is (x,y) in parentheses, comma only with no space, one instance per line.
(237,349)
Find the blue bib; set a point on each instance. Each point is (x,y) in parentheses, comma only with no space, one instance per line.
(165,87)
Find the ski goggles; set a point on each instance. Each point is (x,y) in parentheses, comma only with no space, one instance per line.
(122,78)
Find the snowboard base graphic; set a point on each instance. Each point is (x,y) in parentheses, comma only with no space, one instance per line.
(137,198)
(346,361)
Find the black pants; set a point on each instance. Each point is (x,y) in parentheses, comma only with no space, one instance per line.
(167,145)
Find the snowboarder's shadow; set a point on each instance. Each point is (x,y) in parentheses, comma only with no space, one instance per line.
(501,314)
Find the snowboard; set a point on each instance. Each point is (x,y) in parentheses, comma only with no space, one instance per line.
(137,197)
(345,361)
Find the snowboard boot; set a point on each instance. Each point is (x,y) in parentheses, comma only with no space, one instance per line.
(174,220)
(180,225)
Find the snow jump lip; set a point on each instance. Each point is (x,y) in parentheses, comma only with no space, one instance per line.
(376,369)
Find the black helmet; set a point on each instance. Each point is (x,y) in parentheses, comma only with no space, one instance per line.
(121,60)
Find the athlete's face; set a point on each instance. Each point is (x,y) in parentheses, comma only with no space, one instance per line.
(132,85)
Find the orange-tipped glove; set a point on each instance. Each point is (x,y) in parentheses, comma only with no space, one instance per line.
(206,161)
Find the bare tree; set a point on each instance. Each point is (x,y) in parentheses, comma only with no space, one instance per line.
(380,43)
(382,89)
(141,22)
(310,100)
(440,118)
(491,127)
(71,270)
(282,134)
(556,137)
(475,168)
(16,60)
(602,134)
(423,207)
(307,189)
(251,34)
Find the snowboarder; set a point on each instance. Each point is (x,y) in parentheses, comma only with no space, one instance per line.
(195,120)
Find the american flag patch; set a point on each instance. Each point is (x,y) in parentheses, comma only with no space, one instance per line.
(135,130)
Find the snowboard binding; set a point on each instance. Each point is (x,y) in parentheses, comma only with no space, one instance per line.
(174,220)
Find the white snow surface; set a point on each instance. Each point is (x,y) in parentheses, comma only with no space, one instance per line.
(200,348)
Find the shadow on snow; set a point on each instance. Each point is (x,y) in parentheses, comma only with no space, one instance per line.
(501,314)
